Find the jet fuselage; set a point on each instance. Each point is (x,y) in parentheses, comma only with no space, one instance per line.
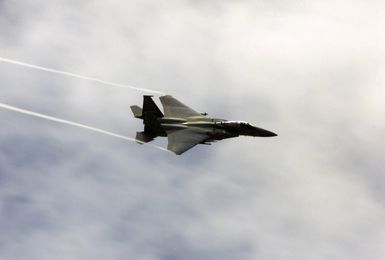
(216,129)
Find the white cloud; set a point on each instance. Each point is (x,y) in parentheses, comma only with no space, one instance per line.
(312,72)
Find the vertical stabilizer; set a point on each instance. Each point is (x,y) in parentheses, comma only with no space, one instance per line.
(149,106)
(151,113)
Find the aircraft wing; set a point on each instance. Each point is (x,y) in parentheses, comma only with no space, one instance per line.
(174,108)
(180,141)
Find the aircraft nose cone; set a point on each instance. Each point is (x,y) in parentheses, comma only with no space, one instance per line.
(267,134)
(264,133)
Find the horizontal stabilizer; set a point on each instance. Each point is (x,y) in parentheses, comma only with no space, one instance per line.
(142,137)
(137,111)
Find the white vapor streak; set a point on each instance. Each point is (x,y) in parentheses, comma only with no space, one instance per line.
(76,75)
(63,121)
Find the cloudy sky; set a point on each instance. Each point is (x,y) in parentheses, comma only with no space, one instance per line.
(311,71)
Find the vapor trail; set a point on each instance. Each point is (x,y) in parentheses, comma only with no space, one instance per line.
(76,75)
(59,120)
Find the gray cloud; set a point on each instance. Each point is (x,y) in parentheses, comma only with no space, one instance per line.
(312,72)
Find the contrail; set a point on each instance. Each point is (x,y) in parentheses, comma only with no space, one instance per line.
(77,75)
(63,121)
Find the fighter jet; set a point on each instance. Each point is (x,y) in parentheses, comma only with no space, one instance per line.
(184,127)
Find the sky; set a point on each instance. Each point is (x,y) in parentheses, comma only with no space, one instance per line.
(311,71)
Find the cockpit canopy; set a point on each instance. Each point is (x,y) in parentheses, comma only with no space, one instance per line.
(242,124)
(237,122)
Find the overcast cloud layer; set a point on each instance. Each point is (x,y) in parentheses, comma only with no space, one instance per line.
(311,71)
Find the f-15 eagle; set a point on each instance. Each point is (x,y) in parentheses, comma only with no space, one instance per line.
(184,127)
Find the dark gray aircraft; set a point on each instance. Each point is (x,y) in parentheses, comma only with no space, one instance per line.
(185,127)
